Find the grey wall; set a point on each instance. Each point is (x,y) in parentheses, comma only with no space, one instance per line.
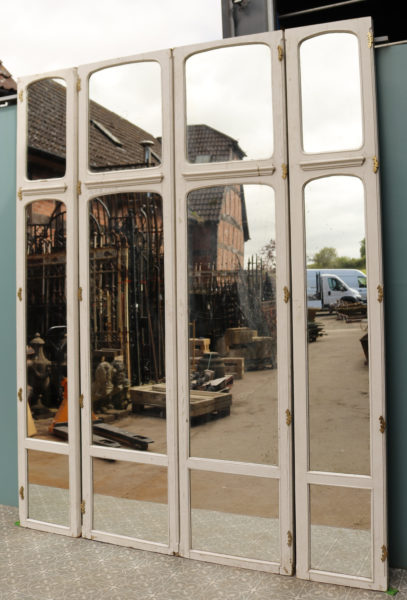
(8,399)
(391,69)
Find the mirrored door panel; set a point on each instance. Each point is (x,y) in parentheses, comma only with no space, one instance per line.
(232,263)
(127,323)
(337,323)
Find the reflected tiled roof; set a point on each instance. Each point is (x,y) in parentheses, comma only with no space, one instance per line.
(7,84)
(47,129)
(204,140)
(205,204)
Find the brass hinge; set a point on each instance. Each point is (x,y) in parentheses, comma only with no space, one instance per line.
(81,400)
(284,169)
(286,294)
(20,394)
(280,53)
(380,293)
(20,95)
(21,492)
(385,553)
(375,164)
(20,193)
(382,424)
(176,554)
(289,539)
(83,507)
(80,294)
(78,84)
(20,294)
(79,188)
(288,417)
(370,39)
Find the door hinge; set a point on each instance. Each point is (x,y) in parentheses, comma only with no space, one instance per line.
(380,293)
(20,294)
(83,507)
(81,400)
(385,553)
(80,297)
(382,424)
(286,294)
(280,52)
(370,39)
(20,394)
(21,492)
(289,539)
(78,84)
(284,169)
(375,164)
(20,193)
(21,95)
(79,188)
(288,417)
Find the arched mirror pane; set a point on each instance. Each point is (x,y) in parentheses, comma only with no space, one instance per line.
(338,351)
(331,97)
(127,329)
(46,132)
(125,117)
(46,325)
(233,323)
(229,104)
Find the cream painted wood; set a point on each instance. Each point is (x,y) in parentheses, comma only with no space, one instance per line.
(64,190)
(305,167)
(189,177)
(156,180)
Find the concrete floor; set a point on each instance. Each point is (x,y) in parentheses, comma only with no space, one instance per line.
(42,566)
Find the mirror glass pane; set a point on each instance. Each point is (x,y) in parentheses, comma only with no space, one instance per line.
(46,326)
(341,530)
(338,369)
(126,264)
(46,151)
(130,499)
(125,121)
(235,515)
(48,487)
(331,93)
(229,105)
(233,323)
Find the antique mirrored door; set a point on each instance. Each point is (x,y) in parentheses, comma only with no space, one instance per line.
(47,307)
(338,355)
(128,316)
(234,356)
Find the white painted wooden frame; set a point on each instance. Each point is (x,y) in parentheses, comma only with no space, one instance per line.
(193,176)
(305,167)
(157,180)
(62,189)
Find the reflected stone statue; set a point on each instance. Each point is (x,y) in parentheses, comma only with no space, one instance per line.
(38,375)
(110,385)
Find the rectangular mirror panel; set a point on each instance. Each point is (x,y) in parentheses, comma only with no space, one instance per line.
(46,131)
(48,487)
(46,326)
(233,323)
(235,515)
(338,365)
(130,499)
(341,530)
(125,117)
(229,104)
(331,95)
(127,328)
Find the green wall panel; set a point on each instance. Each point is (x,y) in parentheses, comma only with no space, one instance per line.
(8,400)
(391,68)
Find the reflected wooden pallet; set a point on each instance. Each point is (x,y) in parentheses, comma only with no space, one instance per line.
(201,403)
